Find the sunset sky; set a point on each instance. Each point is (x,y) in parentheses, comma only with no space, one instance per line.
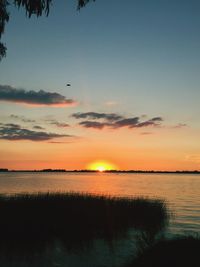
(134,99)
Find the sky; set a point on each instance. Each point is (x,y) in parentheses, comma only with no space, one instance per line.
(133,102)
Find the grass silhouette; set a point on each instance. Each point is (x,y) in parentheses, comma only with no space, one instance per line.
(75,217)
(32,226)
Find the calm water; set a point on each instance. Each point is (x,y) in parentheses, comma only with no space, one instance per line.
(182,192)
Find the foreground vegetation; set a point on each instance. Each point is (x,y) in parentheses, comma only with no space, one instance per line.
(74,218)
(32,226)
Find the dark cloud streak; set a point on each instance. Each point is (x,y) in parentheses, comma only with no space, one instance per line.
(41,98)
(129,122)
(37,127)
(96,115)
(93,124)
(14,132)
(114,121)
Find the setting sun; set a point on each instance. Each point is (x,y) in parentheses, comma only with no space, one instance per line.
(101,166)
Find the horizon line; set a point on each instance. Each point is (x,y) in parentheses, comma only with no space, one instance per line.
(88,170)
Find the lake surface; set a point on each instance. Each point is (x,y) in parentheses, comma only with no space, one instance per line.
(181,191)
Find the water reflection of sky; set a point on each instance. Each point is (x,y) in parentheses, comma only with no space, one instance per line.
(182,192)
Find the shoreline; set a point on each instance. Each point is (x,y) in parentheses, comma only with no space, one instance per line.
(106,171)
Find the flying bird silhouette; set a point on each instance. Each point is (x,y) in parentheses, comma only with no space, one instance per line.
(68,84)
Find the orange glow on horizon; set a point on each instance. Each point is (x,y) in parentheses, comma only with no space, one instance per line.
(101,166)
(36,105)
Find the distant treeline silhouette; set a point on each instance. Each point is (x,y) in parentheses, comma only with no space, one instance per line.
(106,171)
(3,170)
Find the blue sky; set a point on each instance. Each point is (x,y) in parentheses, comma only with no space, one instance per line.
(130,57)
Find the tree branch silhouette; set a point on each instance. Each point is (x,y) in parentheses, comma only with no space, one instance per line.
(32,7)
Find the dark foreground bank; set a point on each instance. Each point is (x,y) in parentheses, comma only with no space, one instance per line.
(177,252)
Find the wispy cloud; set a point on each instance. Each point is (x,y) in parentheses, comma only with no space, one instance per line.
(59,124)
(111,103)
(193,158)
(22,118)
(180,125)
(57,142)
(34,98)
(114,120)
(146,133)
(14,132)
(37,127)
